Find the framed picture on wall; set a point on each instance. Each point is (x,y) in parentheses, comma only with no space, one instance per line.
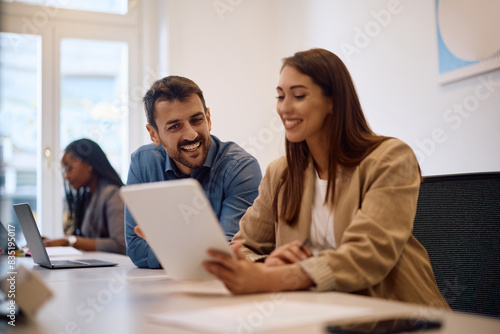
(468,34)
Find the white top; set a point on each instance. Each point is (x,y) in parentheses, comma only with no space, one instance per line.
(322,219)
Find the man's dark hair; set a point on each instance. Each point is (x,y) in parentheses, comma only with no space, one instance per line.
(170,88)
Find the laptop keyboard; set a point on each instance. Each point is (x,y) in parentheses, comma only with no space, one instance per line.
(69,263)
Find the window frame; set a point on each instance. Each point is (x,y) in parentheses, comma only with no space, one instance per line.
(58,24)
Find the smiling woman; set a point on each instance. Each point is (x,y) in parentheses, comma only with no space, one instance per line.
(349,191)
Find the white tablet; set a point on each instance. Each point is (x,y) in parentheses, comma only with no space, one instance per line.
(179,224)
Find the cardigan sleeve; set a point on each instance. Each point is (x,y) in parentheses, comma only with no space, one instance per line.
(257,226)
(372,243)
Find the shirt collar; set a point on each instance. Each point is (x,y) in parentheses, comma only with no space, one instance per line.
(212,152)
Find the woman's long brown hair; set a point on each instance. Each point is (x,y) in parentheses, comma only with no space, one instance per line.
(350,137)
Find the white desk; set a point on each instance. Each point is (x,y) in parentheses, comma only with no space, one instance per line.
(118,300)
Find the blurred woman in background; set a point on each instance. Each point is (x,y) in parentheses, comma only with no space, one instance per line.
(93,199)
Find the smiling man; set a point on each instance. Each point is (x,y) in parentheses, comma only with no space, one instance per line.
(179,126)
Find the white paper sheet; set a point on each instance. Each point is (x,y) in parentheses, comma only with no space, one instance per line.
(258,316)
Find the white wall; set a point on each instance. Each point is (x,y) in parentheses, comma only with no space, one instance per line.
(233,58)
(233,50)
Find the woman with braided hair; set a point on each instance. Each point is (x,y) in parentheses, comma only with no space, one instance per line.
(94,203)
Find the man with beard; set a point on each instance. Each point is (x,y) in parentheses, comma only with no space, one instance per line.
(179,126)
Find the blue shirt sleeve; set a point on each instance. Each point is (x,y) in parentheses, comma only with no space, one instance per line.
(241,189)
(138,249)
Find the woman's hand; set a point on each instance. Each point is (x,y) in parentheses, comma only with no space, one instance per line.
(291,252)
(85,244)
(55,242)
(238,275)
(243,276)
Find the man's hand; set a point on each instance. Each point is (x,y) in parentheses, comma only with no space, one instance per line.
(138,231)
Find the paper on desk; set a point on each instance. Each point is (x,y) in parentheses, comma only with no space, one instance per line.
(165,285)
(62,251)
(211,287)
(264,315)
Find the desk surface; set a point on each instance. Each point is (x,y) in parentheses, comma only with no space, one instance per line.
(118,300)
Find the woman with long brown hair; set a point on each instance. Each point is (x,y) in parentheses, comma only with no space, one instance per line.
(337,212)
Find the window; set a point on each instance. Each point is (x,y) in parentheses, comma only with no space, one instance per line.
(94,85)
(19,115)
(64,74)
(104,6)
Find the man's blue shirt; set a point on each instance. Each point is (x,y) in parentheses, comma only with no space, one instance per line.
(230,178)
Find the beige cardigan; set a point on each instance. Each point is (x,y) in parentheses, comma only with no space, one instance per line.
(375,206)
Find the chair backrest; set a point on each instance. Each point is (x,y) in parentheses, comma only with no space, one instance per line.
(458,222)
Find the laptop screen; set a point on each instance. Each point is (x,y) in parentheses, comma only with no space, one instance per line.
(6,238)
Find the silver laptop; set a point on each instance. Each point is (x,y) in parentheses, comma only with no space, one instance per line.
(179,223)
(37,248)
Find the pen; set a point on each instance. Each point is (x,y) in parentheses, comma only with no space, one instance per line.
(304,243)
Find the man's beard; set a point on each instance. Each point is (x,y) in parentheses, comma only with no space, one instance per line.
(179,154)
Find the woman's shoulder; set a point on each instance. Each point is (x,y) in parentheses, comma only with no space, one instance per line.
(276,167)
(391,147)
(392,155)
(108,191)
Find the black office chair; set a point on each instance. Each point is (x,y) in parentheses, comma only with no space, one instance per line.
(458,222)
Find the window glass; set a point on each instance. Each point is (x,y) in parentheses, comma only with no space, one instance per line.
(94,89)
(19,112)
(104,6)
